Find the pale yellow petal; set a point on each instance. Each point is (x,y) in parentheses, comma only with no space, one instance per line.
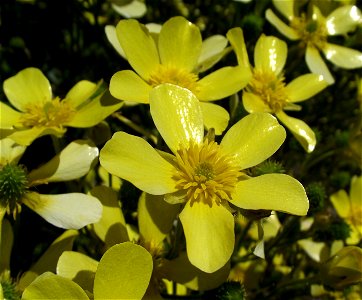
(177,115)
(215,116)
(111,35)
(69,211)
(343,20)
(272,192)
(343,57)
(28,86)
(139,46)
(270,54)
(209,233)
(301,131)
(317,65)
(312,248)
(215,87)
(356,191)
(286,8)
(8,117)
(253,103)
(80,92)
(128,86)
(341,203)
(305,87)
(284,29)
(10,152)
(179,43)
(133,159)
(124,272)
(132,9)
(73,162)
(253,139)
(236,39)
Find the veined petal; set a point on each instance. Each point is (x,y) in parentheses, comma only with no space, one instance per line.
(28,86)
(133,159)
(73,162)
(124,272)
(128,86)
(340,201)
(111,34)
(270,54)
(284,29)
(177,115)
(69,211)
(305,87)
(342,56)
(80,92)
(286,8)
(179,43)
(139,46)
(253,139)
(8,117)
(209,233)
(215,116)
(278,192)
(317,65)
(236,39)
(10,152)
(301,131)
(253,103)
(215,87)
(343,20)
(356,190)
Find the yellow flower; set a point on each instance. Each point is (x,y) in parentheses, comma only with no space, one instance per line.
(349,207)
(203,174)
(70,210)
(314,31)
(38,113)
(267,90)
(177,57)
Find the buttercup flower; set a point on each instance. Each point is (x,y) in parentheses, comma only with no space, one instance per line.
(203,174)
(313,32)
(39,114)
(349,207)
(267,90)
(70,210)
(174,58)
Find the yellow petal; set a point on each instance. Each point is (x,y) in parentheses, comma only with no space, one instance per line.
(253,103)
(301,131)
(284,29)
(215,116)
(312,248)
(73,162)
(253,139)
(343,20)
(5,248)
(69,211)
(133,9)
(177,115)
(79,268)
(272,192)
(179,43)
(80,92)
(286,8)
(10,152)
(111,35)
(209,233)
(51,286)
(8,117)
(28,86)
(317,65)
(124,272)
(133,159)
(305,87)
(342,56)
(340,201)
(215,87)
(155,217)
(139,46)
(270,54)
(128,86)
(356,191)
(236,39)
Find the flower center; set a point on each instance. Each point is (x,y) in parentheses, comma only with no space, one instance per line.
(270,88)
(205,173)
(174,75)
(51,114)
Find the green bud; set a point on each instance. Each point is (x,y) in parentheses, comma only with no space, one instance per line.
(9,288)
(268,167)
(316,195)
(231,290)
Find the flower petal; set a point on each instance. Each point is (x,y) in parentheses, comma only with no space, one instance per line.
(111,35)
(215,116)
(305,87)
(317,65)
(8,117)
(133,9)
(28,86)
(177,115)
(209,233)
(80,92)
(270,54)
(10,152)
(342,56)
(73,162)
(301,131)
(139,46)
(236,39)
(133,159)
(215,87)
(179,43)
(286,8)
(253,139)
(253,103)
(343,20)
(272,192)
(356,191)
(284,29)
(124,272)
(69,211)
(340,201)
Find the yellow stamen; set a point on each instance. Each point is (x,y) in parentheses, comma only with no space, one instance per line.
(205,173)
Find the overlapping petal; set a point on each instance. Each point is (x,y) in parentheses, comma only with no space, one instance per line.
(80,92)
(10,152)
(284,29)
(236,39)
(340,201)
(343,19)
(215,116)
(286,8)
(356,190)
(132,9)
(342,56)
(111,34)
(8,117)
(305,87)
(253,103)
(316,64)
